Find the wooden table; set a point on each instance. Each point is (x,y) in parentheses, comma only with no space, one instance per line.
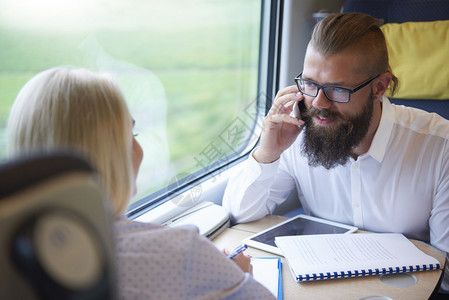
(347,288)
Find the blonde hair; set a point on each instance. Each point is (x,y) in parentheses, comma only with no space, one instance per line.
(76,109)
(340,31)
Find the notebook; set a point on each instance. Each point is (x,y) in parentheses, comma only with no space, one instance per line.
(328,256)
(268,271)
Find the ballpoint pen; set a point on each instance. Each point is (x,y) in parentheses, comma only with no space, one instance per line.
(238,250)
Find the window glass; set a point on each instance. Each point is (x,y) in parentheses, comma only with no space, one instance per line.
(188,68)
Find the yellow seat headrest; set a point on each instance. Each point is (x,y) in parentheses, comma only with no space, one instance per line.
(419,57)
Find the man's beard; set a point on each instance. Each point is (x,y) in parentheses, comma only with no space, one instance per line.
(329,147)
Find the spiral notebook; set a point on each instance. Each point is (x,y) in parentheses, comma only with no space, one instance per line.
(329,256)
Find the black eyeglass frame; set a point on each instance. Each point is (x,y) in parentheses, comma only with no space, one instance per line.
(322,87)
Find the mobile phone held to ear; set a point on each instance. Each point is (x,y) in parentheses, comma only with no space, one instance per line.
(298,109)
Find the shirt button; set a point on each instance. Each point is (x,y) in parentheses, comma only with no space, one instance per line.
(355,165)
(356,205)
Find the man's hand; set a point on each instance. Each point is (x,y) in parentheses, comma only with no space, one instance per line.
(280,129)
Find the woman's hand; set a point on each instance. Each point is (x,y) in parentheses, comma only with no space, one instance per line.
(242,260)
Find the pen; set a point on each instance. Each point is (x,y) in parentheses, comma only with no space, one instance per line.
(238,250)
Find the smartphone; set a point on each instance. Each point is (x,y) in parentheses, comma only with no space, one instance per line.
(298,109)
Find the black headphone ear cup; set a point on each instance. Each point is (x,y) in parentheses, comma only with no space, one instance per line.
(59,255)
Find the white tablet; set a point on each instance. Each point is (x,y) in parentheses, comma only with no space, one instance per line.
(298,225)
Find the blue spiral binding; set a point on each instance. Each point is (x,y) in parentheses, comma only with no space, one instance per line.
(358,273)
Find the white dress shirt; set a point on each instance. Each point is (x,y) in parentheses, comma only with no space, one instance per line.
(400,185)
(156,262)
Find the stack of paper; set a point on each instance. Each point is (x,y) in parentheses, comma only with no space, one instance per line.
(268,271)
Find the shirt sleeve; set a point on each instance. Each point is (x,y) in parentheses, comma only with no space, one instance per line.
(439,219)
(249,195)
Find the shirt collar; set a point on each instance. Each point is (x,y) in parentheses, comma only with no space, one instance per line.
(380,141)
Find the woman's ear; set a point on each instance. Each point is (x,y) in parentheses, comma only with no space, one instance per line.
(381,84)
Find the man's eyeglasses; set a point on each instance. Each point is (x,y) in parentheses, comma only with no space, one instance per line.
(332,93)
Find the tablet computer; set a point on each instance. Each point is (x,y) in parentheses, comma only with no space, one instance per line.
(299,225)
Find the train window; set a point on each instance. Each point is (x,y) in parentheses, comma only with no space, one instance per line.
(189,69)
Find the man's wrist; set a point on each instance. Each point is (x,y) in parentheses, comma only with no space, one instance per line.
(262,158)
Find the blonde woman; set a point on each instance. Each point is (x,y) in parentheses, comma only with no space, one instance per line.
(79,110)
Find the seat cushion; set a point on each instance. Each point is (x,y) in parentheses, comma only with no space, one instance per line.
(419,57)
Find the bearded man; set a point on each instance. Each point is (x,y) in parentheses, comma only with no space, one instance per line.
(354,157)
